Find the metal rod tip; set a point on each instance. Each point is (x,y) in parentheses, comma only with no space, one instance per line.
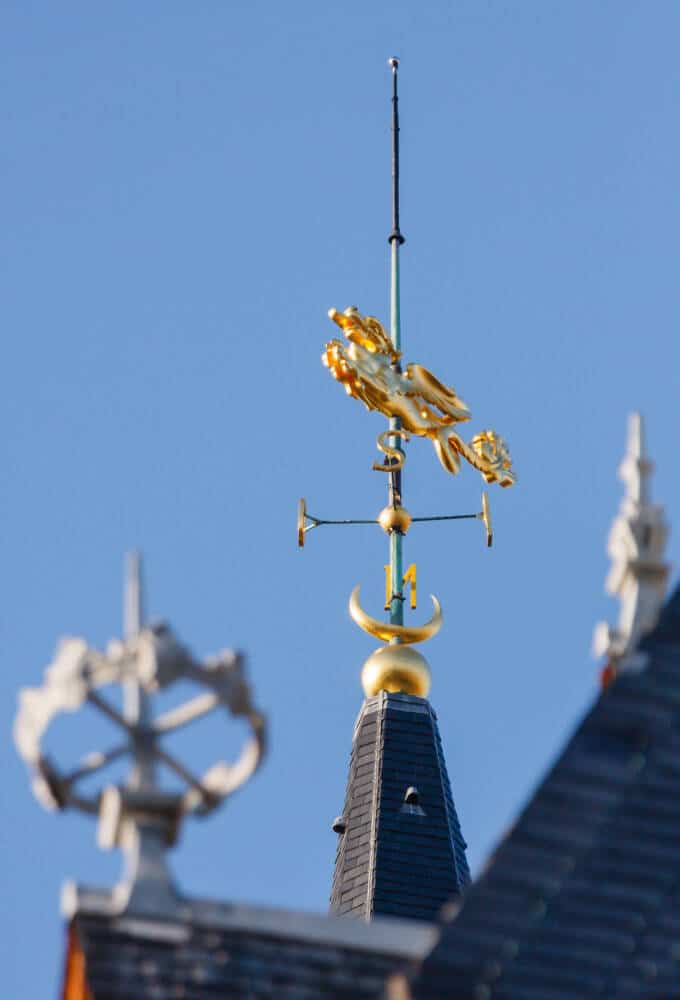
(393,62)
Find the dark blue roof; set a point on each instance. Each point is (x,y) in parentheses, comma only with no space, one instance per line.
(582,897)
(208,949)
(396,857)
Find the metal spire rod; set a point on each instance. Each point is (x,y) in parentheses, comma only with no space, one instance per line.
(396,234)
(395,240)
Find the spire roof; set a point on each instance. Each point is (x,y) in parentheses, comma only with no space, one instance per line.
(581,899)
(210,949)
(400,847)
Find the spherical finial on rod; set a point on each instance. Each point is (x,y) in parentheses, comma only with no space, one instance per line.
(396,668)
(394,519)
(393,63)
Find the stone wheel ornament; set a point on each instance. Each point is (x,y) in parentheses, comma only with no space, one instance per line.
(138,816)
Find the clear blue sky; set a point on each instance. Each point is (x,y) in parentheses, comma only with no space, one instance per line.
(186,189)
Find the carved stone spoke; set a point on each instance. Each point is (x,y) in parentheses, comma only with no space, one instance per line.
(94,762)
(183,715)
(180,770)
(112,713)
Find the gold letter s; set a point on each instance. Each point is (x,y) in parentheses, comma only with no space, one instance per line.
(397,456)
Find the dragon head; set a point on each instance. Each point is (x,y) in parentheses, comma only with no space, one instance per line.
(366,331)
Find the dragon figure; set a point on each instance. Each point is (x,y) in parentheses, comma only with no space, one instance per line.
(368,367)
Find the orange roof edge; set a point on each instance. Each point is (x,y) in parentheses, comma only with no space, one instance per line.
(75,977)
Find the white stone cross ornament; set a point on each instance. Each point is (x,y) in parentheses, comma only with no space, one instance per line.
(139,816)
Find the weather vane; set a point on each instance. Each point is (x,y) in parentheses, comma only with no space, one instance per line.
(141,816)
(416,404)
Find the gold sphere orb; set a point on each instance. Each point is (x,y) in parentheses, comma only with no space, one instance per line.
(394,519)
(396,668)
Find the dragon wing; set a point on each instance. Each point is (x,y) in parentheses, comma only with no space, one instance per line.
(425,384)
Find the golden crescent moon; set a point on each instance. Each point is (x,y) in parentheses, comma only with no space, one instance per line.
(386,631)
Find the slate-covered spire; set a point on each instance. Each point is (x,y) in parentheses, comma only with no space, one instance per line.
(639,572)
(400,847)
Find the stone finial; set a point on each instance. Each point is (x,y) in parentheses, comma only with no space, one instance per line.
(639,573)
(140,816)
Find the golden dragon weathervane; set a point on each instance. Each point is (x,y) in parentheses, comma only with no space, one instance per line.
(369,369)
(416,403)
